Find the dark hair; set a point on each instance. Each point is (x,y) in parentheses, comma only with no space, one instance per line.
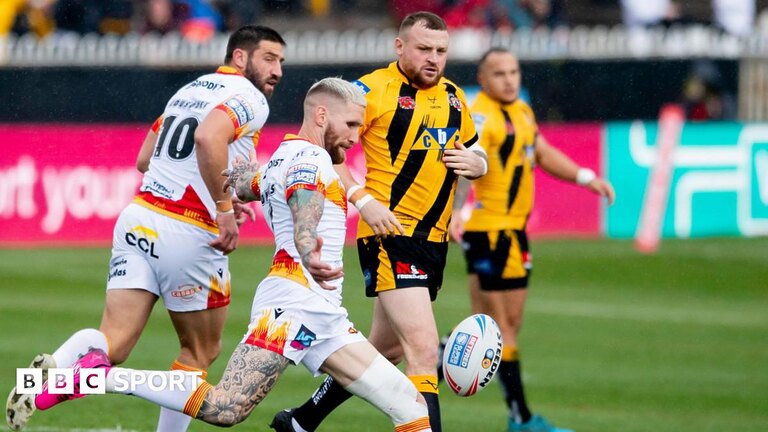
(493,50)
(428,19)
(248,37)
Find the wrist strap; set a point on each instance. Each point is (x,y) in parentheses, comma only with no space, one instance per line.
(584,176)
(224,206)
(363,201)
(351,191)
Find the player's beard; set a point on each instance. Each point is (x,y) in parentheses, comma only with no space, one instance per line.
(253,75)
(333,146)
(422,81)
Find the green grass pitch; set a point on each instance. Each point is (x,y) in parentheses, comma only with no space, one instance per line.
(612,341)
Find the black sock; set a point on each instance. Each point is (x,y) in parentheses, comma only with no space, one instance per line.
(327,398)
(433,406)
(512,384)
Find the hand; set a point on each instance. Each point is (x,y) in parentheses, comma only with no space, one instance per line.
(320,271)
(464,162)
(456,227)
(243,211)
(380,219)
(228,233)
(602,188)
(241,176)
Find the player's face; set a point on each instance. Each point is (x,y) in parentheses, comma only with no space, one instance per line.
(264,68)
(499,77)
(344,121)
(422,54)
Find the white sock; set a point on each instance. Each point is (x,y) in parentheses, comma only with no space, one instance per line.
(147,384)
(79,344)
(172,421)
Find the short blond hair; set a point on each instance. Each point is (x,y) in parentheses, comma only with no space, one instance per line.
(338,88)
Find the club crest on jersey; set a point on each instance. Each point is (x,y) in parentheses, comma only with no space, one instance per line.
(406,102)
(454,101)
(436,139)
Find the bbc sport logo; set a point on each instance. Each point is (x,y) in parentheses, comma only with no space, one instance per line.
(93,381)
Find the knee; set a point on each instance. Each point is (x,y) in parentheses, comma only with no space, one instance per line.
(202,355)
(422,352)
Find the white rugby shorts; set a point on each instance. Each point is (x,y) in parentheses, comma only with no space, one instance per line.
(302,326)
(169,258)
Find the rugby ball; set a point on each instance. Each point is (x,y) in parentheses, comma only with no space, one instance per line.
(472,355)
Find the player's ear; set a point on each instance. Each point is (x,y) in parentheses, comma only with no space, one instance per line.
(321,115)
(240,58)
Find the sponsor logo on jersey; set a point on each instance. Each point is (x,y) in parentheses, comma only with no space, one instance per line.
(364,88)
(461,349)
(408,271)
(116,273)
(406,102)
(241,108)
(303,338)
(301,174)
(436,139)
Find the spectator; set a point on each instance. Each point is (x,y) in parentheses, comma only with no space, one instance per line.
(519,14)
(704,96)
(22,16)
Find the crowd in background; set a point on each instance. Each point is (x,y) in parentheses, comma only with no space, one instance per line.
(199,19)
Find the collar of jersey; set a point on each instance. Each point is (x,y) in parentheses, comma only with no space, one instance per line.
(228,70)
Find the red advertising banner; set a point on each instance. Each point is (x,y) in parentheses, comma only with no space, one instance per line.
(66,184)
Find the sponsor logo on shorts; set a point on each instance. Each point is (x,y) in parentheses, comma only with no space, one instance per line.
(409,271)
(353,330)
(116,273)
(303,338)
(186,292)
(144,240)
(461,349)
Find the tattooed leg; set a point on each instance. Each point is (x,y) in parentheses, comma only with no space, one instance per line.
(249,377)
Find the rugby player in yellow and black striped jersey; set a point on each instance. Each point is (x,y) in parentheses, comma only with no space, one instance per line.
(418,138)
(494,237)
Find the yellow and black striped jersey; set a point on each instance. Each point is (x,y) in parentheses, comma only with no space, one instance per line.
(404,135)
(504,196)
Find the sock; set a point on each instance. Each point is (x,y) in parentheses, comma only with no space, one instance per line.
(327,398)
(512,385)
(78,344)
(427,386)
(174,421)
(186,397)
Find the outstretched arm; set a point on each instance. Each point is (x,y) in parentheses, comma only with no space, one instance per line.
(307,209)
(556,163)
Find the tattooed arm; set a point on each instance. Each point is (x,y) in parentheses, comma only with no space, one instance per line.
(249,377)
(307,209)
(244,178)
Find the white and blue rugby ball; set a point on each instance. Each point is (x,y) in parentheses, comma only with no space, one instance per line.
(472,355)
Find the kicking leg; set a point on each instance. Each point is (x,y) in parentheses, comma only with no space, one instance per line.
(200,340)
